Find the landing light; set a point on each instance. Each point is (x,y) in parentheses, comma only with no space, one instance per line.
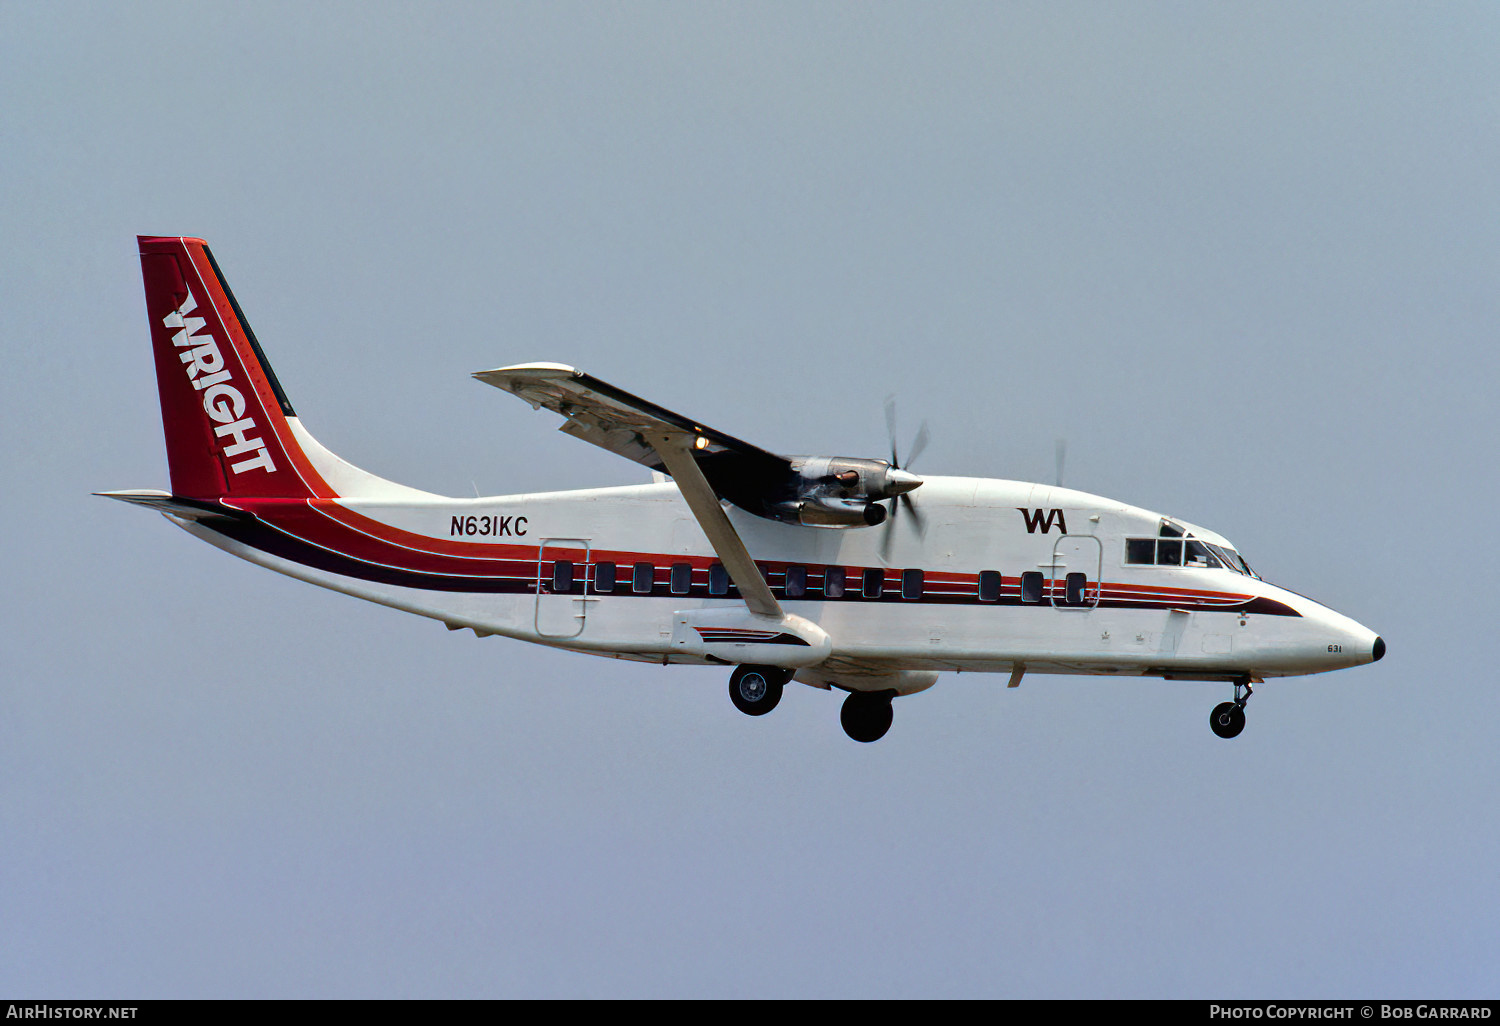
(700,442)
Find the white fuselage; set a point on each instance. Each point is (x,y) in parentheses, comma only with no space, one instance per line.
(1187,622)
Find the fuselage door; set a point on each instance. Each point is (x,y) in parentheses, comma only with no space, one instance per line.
(1077,563)
(563,572)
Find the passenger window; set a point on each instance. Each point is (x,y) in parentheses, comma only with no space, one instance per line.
(1140,551)
(1031,586)
(874,582)
(562,576)
(796,581)
(989,585)
(640,579)
(682,578)
(718,580)
(604,577)
(1076,590)
(1168,553)
(833,582)
(911,584)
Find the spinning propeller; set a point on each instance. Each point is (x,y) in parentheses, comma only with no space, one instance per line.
(902,479)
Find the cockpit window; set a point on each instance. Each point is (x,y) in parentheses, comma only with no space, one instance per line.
(1168,553)
(1198,555)
(1176,547)
(1234,561)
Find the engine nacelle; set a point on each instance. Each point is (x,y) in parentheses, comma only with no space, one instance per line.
(839,491)
(822,511)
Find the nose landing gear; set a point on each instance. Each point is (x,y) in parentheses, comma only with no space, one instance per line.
(1228,718)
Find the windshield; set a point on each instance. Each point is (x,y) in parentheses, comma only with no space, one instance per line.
(1234,561)
(1175,546)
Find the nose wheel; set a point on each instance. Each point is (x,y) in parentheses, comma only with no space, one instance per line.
(1228,718)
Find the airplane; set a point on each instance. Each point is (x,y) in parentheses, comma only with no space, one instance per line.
(844,573)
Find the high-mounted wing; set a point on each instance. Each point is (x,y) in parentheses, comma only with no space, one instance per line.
(614,419)
(812,490)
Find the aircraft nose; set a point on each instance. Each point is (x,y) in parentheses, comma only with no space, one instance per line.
(1379,650)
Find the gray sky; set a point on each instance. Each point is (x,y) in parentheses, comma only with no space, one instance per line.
(1242,257)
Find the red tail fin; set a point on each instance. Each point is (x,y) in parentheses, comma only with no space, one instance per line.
(223,411)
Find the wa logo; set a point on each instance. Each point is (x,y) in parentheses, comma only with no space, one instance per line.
(1036,518)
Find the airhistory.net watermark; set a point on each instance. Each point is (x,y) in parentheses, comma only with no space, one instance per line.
(45,1010)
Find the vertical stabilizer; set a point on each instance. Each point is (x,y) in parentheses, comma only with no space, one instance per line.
(223,411)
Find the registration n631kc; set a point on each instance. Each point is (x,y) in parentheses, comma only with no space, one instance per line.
(847,573)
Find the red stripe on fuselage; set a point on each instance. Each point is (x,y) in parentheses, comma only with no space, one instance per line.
(332,526)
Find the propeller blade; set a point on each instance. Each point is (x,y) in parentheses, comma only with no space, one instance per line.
(905,481)
(917,519)
(917,445)
(890,427)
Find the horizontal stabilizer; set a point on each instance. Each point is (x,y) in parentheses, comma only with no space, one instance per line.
(165,502)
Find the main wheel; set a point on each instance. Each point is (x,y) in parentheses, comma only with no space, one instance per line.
(866,717)
(1227,719)
(755,690)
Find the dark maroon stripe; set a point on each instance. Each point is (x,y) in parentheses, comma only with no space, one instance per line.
(259,535)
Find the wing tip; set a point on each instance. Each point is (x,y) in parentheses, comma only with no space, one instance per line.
(527,372)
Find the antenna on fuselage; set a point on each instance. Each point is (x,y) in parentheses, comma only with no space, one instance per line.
(1062,457)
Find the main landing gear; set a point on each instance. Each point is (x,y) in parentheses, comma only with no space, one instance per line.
(1228,718)
(755,690)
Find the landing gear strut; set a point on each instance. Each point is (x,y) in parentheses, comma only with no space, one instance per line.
(1228,718)
(866,715)
(755,690)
